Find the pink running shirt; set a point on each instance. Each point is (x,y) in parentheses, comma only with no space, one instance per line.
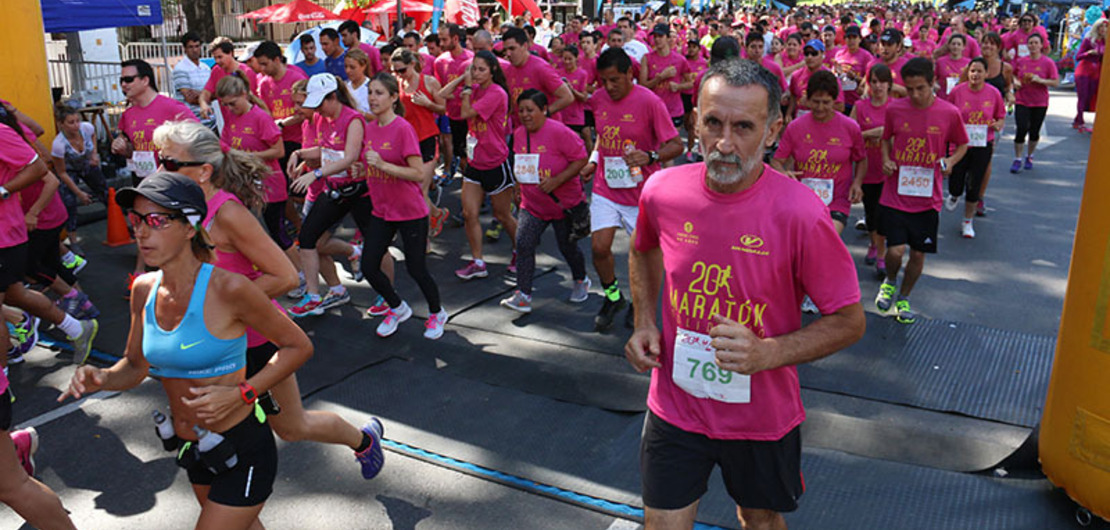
(489,126)
(824,153)
(254,132)
(394,199)
(919,139)
(557,146)
(639,120)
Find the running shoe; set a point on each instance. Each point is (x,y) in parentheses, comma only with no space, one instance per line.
(494,231)
(299,292)
(1029,162)
(885,297)
(378,308)
(872,255)
(14,355)
(905,314)
(394,318)
(967,231)
(78,306)
(609,309)
(472,270)
(981,208)
(438,222)
(808,306)
(307,306)
(76,265)
(861,224)
(581,291)
(82,343)
(372,458)
(335,299)
(519,302)
(951,202)
(28,331)
(26,443)
(1016,166)
(1077,125)
(433,327)
(1086,130)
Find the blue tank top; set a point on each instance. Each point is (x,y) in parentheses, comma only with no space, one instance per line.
(189,351)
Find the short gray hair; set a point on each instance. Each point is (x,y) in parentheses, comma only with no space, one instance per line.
(743,72)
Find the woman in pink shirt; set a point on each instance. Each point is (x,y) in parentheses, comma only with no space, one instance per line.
(1033,75)
(249,128)
(820,148)
(548,158)
(395,174)
(870,114)
(485,106)
(950,67)
(1088,68)
(984,114)
(791,59)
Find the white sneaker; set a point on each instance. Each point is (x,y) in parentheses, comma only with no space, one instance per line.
(518,302)
(951,202)
(581,291)
(433,327)
(968,231)
(393,318)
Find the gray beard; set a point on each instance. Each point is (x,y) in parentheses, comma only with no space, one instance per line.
(726,177)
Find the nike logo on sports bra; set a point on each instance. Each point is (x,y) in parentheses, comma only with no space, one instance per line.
(187,346)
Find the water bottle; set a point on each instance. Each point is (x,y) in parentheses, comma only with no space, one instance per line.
(213,451)
(637,175)
(163,427)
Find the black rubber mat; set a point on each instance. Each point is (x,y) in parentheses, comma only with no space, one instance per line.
(945,366)
(594,452)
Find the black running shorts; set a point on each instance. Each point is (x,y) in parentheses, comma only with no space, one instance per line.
(251,481)
(675,466)
(918,230)
(13,265)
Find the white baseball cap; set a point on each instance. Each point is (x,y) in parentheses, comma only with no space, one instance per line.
(319,86)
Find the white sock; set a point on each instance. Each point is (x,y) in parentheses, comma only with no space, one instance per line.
(337,289)
(70,326)
(300,276)
(479,262)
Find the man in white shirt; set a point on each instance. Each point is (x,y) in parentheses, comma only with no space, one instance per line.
(190,75)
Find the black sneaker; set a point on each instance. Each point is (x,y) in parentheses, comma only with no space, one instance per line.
(609,309)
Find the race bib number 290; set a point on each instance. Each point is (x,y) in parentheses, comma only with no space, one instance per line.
(696,372)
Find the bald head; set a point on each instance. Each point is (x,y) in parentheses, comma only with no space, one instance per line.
(482,40)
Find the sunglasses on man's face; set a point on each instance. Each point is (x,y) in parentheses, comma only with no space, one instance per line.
(127,79)
(172,164)
(812,53)
(155,220)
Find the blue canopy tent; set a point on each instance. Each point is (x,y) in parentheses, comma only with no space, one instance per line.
(62,16)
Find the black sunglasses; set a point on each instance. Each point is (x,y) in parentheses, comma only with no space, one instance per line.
(812,53)
(127,79)
(172,164)
(155,220)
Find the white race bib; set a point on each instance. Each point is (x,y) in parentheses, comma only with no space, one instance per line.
(695,371)
(1023,50)
(952,82)
(847,84)
(976,135)
(915,181)
(328,156)
(526,168)
(822,187)
(471,144)
(618,175)
(143,163)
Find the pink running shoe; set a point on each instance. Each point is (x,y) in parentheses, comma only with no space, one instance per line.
(26,444)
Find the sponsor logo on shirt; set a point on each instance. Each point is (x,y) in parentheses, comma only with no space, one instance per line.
(834,140)
(628,118)
(686,235)
(751,244)
(933,129)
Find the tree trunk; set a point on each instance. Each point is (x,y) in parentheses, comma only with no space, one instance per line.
(199,17)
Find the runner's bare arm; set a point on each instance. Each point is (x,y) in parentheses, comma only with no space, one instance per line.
(742,351)
(645,271)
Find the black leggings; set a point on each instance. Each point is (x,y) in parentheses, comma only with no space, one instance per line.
(326,212)
(1029,121)
(414,235)
(528,231)
(43,261)
(273,216)
(458,137)
(94,178)
(970,171)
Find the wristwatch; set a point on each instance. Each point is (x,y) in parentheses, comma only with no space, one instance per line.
(318,172)
(248,393)
(4,193)
(652,157)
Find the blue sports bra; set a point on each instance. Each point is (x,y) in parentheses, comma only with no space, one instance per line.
(189,351)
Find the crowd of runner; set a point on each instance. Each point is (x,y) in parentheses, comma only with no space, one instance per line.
(240,180)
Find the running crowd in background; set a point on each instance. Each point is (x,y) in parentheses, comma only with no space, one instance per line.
(251,165)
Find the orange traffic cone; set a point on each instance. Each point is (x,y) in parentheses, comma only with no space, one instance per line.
(117,225)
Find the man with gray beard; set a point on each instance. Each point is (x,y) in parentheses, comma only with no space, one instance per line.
(738,245)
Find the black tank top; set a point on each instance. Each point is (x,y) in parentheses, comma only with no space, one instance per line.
(998,81)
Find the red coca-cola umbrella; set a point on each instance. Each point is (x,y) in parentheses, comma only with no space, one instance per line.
(408,6)
(299,11)
(260,13)
(356,14)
